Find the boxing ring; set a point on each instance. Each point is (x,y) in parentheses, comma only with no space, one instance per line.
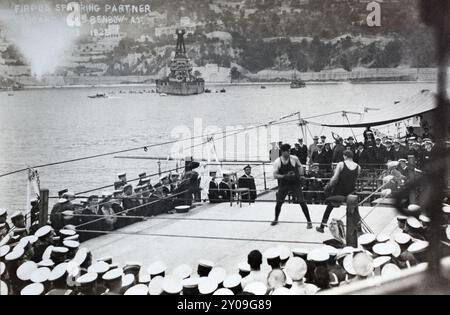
(224,234)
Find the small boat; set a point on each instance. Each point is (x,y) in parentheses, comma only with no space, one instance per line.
(207,91)
(223,91)
(162,94)
(263,87)
(98,96)
(297,83)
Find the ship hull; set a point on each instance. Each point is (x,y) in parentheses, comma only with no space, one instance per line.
(180,88)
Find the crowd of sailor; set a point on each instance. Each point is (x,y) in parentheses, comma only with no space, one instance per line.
(378,156)
(374,152)
(52,262)
(127,205)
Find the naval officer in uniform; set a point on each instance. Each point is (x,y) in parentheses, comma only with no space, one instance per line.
(213,192)
(248,181)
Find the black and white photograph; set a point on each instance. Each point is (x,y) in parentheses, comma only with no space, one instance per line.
(224,151)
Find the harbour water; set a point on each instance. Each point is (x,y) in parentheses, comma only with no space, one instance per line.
(49,125)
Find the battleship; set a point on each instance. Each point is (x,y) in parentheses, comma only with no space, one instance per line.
(180,81)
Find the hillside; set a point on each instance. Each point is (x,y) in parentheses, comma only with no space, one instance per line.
(259,35)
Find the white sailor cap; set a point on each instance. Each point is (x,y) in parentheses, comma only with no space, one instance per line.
(414,223)
(46,263)
(447,231)
(397,250)
(383,238)
(296,268)
(127,281)
(87,278)
(413,208)
(5,240)
(282,291)
(139,289)
(60,250)
(4,250)
(332,251)
(66,233)
(190,283)
(366,239)
(384,249)
(300,252)
(40,275)
(418,247)
(99,268)
(2,212)
(72,238)
(2,268)
(33,289)
(15,215)
(348,265)
(363,264)
(47,252)
(15,254)
(424,219)
(318,255)
(3,288)
(58,272)
(172,285)
(244,267)
(284,252)
(113,274)
(223,292)
(256,288)
(27,240)
(183,271)
(232,281)
(164,177)
(43,231)
(81,256)
(446,209)
(390,269)
(218,274)
(157,268)
(381,261)
(25,270)
(207,286)
(272,253)
(183,209)
(68,215)
(144,278)
(155,286)
(71,244)
(123,174)
(403,238)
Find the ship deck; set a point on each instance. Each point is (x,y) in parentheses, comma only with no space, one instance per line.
(212,232)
